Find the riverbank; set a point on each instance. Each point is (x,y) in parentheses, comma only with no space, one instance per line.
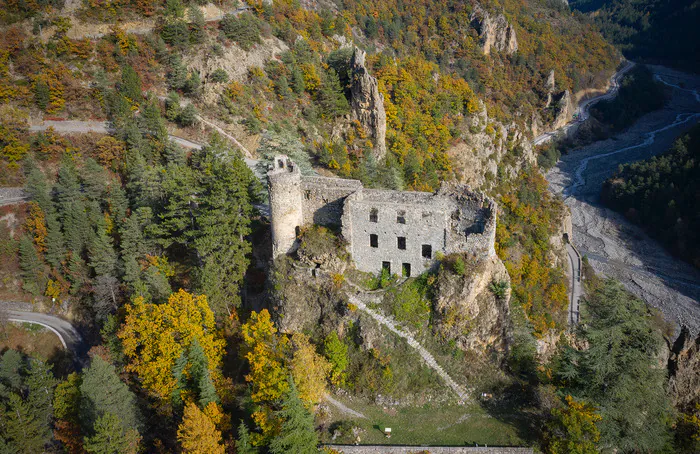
(614,246)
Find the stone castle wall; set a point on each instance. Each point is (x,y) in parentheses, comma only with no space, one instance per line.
(323,199)
(284,181)
(400,230)
(349,449)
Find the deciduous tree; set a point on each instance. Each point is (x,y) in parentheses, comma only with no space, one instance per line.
(155,335)
(197,434)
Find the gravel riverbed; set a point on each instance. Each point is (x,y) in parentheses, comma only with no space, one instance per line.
(614,246)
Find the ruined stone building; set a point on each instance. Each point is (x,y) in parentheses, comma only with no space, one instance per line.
(399,230)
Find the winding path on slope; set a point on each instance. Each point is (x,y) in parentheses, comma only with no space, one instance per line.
(427,357)
(614,246)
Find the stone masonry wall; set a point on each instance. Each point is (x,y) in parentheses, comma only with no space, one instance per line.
(323,199)
(349,449)
(427,220)
(285,204)
(401,230)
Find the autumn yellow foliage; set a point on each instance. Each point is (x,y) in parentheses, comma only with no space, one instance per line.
(154,336)
(309,370)
(197,434)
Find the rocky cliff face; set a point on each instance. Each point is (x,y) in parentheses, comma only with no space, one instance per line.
(495,33)
(559,107)
(564,109)
(684,370)
(367,103)
(485,146)
(468,311)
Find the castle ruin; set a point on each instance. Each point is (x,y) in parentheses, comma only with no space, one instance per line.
(401,231)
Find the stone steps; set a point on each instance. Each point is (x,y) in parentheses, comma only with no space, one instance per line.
(389,323)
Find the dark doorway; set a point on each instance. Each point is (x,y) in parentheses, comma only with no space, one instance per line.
(386,266)
(427,251)
(373,240)
(406,270)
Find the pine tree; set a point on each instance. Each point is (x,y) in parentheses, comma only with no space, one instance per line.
(102,257)
(42,94)
(223,221)
(330,96)
(117,203)
(26,394)
(23,432)
(188,116)
(132,248)
(201,377)
(94,179)
(197,24)
(243,444)
(177,75)
(172,106)
(31,267)
(103,392)
(193,84)
(111,437)
(130,85)
(297,433)
(38,189)
(71,207)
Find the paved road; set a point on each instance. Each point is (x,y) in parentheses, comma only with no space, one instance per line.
(583,109)
(10,196)
(576,290)
(69,336)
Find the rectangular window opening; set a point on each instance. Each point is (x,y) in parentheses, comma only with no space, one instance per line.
(406,270)
(401,217)
(386,266)
(373,215)
(427,251)
(373,240)
(401,241)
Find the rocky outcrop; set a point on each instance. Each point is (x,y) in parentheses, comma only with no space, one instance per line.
(367,103)
(564,109)
(488,148)
(684,371)
(495,33)
(469,312)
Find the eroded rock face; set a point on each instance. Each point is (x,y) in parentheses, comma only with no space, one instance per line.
(495,33)
(468,311)
(479,155)
(367,103)
(684,370)
(564,108)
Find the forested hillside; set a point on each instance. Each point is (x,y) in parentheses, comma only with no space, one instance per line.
(661,194)
(149,235)
(655,31)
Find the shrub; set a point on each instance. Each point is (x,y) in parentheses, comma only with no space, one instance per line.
(499,289)
(244,29)
(219,76)
(458,266)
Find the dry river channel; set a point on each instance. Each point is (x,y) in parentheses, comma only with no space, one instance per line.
(614,246)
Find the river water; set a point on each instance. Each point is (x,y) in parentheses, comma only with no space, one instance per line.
(614,246)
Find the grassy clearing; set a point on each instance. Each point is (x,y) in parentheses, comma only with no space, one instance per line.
(450,425)
(31,339)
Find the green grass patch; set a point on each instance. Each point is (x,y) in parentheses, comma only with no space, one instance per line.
(448,425)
